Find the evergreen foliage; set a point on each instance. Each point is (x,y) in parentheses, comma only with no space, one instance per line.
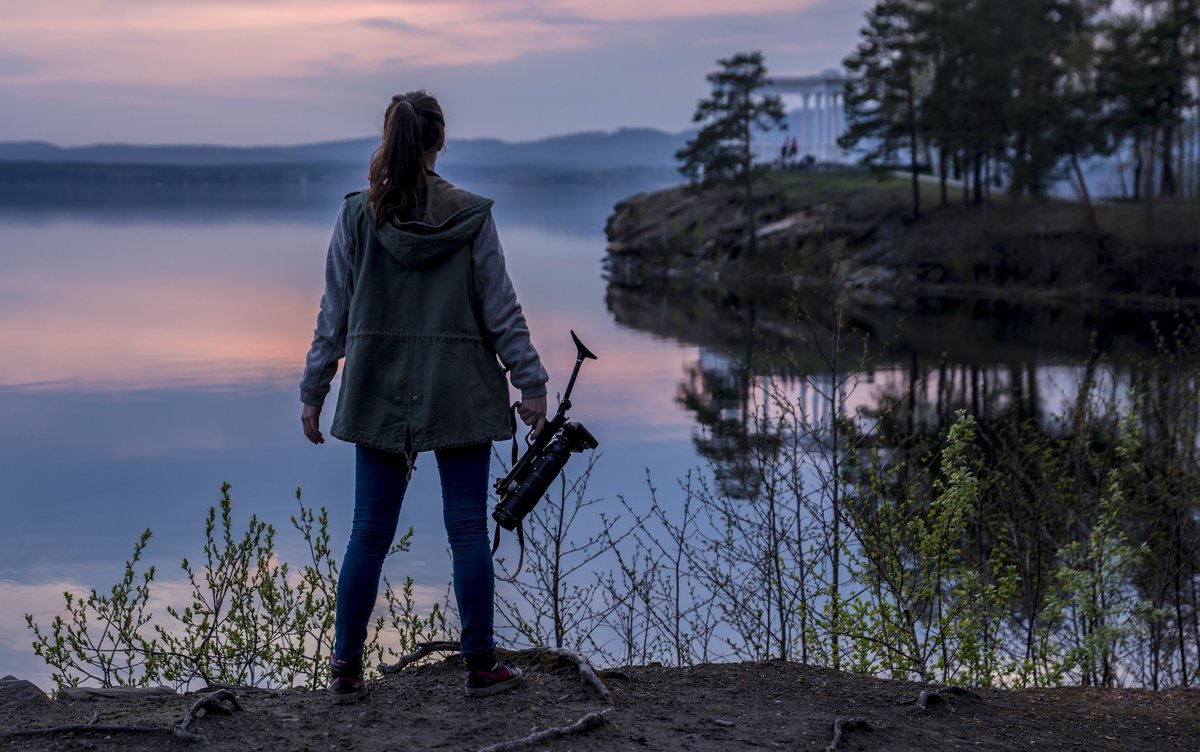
(1021,92)
(722,148)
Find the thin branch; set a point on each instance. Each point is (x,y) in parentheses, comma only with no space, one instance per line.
(586,723)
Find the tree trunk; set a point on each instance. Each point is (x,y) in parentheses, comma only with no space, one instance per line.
(1089,211)
(1168,187)
(748,171)
(913,151)
(966,180)
(1137,165)
(987,181)
(977,169)
(943,177)
(1172,102)
(1150,173)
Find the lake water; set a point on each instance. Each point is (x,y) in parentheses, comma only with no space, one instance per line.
(152,353)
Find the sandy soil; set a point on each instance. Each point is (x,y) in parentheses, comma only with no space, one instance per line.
(771,705)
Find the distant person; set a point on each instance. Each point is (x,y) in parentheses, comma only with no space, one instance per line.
(418,301)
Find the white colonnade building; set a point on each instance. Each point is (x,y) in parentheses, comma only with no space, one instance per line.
(820,100)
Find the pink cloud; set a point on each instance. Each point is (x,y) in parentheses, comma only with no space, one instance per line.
(207,45)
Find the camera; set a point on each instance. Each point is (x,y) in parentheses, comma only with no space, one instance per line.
(531,476)
(521,495)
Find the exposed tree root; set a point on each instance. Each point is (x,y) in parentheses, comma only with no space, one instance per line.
(423,650)
(941,696)
(208,704)
(841,725)
(586,723)
(586,674)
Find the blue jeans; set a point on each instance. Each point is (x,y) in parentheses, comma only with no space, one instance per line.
(379,485)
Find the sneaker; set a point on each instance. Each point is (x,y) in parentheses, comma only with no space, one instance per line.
(499,678)
(348,684)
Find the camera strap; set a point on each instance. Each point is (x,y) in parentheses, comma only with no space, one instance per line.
(512,424)
(520,560)
(512,427)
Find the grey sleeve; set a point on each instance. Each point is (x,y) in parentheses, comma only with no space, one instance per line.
(502,314)
(329,338)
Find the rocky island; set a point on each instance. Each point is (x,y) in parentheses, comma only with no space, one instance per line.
(853,230)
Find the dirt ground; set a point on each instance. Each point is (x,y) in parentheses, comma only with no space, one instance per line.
(770,705)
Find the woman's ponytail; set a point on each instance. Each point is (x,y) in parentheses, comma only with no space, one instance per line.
(412,125)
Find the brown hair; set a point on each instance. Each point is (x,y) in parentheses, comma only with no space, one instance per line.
(412,126)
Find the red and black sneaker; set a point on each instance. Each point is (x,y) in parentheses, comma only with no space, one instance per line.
(348,684)
(485,682)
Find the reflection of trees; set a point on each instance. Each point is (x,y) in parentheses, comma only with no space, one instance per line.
(1084,529)
(717,391)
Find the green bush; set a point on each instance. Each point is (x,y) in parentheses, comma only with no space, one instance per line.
(250,619)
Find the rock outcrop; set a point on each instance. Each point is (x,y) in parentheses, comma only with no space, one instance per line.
(16,692)
(804,234)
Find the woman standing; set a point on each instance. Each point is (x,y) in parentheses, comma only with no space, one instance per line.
(418,301)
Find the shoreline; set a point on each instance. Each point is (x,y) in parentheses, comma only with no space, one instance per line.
(849,232)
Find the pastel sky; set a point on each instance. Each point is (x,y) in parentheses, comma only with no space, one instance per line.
(292,71)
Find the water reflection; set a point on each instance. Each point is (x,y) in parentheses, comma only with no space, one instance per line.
(156,351)
(1074,485)
(980,355)
(160,351)
(758,348)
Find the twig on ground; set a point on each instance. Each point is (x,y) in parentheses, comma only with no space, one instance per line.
(424,649)
(841,725)
(586,723)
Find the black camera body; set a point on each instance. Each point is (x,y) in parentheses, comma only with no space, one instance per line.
(519,495)
(531,476)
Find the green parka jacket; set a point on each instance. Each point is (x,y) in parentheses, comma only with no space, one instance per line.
(419,372)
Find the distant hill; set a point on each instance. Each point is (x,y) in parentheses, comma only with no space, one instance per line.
(600,150)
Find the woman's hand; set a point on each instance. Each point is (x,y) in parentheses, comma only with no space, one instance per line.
(310,421)
(533,413)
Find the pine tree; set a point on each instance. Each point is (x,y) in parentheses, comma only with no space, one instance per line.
(884,91)
(722,150)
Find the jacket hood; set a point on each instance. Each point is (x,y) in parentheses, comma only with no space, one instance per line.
(450,220)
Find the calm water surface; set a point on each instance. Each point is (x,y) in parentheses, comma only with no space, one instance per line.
(152,354)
